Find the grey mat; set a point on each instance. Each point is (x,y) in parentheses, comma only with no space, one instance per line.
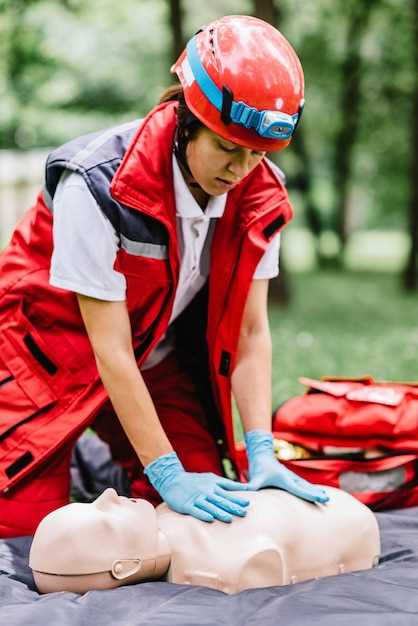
(384,596)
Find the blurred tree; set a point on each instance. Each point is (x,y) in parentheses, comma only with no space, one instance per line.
(27,63)
(303,181)
(352,68)
(67,68)
(267,10)
(70,69)
(411,269)
(176,21)
(279,289)
(376,178)
(382,154)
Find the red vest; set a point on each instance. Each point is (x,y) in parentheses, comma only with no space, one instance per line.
(46,360)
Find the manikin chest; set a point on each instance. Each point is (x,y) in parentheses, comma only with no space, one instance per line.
(282,540)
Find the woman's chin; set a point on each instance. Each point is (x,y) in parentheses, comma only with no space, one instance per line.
(219,187)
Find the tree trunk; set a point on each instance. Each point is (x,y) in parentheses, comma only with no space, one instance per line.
(266,10)
(176,23)
(411,268)
(351,70)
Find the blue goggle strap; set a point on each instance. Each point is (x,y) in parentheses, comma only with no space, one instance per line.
(270,124)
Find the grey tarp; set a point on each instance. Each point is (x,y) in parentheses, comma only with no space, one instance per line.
(384,596)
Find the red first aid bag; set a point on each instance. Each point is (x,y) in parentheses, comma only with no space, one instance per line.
(359,435)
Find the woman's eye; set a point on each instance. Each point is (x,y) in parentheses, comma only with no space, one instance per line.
(226,149)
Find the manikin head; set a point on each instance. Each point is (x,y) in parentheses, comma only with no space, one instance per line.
(108,543)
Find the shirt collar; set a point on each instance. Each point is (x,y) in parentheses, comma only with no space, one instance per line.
(186,205)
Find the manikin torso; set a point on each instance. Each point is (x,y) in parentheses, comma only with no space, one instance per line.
(281,540)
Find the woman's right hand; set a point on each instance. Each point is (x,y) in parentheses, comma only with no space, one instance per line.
(203,495)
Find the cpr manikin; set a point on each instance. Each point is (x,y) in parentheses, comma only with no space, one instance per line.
(281,540)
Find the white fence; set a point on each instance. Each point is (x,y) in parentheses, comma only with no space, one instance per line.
(21,178)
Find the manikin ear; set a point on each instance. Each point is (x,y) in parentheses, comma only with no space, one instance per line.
(122,568)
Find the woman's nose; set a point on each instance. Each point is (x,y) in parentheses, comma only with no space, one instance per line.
(240,165)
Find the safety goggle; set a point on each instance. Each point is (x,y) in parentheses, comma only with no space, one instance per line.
(268,124)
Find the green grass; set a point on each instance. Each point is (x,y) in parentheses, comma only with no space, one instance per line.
(349,323)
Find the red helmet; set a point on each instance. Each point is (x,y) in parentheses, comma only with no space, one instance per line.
(242,79)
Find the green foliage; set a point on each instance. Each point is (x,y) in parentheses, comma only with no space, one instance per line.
(73,66)
(98,63)
(380,184)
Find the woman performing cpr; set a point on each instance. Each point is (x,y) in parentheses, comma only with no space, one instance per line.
(133,295)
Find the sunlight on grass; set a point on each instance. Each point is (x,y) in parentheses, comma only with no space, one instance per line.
(371,250)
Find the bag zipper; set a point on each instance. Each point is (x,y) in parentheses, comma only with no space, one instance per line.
(357,457)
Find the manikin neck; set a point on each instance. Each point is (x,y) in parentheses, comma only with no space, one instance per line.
(158,567)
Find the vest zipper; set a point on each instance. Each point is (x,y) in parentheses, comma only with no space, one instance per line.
(8,379)
(224,362)
(272,227)
(39,355)
(10,430)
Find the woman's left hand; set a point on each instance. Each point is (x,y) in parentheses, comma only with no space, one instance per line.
(266,471)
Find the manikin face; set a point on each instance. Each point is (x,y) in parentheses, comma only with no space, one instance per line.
(217,164)
(130,525)
(89,538)
(116,508)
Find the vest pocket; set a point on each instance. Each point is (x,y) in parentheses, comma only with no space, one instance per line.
(150,268)
(42,360)
(19,403)
(148,284)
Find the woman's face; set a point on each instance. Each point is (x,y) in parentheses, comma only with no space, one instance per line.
(217,164)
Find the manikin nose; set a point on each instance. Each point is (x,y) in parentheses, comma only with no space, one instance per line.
(107,498)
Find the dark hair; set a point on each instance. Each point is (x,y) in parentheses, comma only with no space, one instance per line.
(187,123)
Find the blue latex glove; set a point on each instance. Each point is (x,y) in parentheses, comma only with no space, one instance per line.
(203,495)
(266,471)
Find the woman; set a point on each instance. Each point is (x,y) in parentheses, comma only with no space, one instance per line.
(134,293)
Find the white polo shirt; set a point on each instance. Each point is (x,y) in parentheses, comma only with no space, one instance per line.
(86,244)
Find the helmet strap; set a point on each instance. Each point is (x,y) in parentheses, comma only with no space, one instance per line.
(227,100)
(180,151)
(300,111)
(180,145)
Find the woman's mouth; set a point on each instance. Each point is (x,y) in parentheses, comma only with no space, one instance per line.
(226,183)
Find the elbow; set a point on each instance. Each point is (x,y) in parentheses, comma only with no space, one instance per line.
(257,339)
(108,354)
(259,329)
